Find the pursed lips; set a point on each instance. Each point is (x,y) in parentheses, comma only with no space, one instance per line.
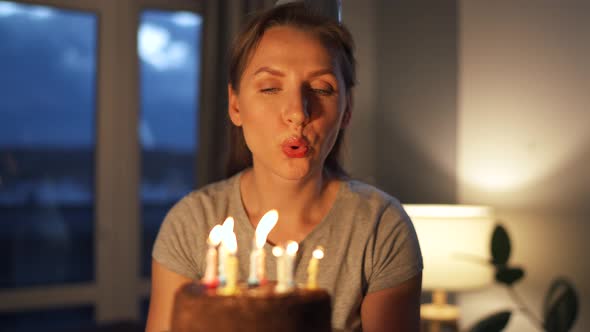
(295,147)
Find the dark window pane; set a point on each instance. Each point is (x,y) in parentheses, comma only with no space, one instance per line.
(169,50)
(47,110)
(51,320)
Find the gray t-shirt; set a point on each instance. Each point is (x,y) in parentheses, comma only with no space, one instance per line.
(370,243)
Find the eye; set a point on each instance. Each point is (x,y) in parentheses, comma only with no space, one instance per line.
(323,91)
(270,90)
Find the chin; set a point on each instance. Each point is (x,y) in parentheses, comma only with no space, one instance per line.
(295,175)
(290,169)
(298,169)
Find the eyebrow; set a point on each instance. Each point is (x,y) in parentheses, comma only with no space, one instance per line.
(269,70)
(277,72)
(321,72)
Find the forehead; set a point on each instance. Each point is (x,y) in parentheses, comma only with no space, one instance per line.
(291,46)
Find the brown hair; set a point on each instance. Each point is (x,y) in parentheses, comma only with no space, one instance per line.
(332,34)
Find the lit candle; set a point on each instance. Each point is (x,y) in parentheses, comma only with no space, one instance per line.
(285,267)
(265,225)
(210,279)
(279,253)
(289,258)
(231,265)
(312,268)
(227,227)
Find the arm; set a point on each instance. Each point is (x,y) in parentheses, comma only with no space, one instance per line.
(165,283)
(393,309)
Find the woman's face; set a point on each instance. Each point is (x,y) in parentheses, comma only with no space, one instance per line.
(291,103)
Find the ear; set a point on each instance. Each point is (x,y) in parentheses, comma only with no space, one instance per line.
(232,108)
(347,112)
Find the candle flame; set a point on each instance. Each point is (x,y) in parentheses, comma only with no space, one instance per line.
(292,248)
(277,251)
(318,253)
(228,224)
(265,225)
(230,242)
(215,235)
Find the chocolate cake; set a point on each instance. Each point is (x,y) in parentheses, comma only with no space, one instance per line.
(197,308)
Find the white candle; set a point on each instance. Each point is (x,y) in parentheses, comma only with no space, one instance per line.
(312,268)
(210,278)
(265,225)
(227,227)
(285,266)
(261,271)
(279,252)
(290,254)
(254,263)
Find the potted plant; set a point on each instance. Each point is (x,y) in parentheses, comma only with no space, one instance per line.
(560,306)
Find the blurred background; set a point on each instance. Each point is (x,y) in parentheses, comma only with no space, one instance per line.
(110,111)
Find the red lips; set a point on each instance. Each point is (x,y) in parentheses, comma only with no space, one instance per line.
(295,147)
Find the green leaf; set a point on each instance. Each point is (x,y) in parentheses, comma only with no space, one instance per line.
(500,246)
(560,307)
(509,275)
(493,323)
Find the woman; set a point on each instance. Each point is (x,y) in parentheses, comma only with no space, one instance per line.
(290,94)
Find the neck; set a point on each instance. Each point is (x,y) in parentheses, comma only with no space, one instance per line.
(262,192)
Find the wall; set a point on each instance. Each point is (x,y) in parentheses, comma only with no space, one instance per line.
(360,146)
(524,140)
(416,125)
(407,64)
(483,102)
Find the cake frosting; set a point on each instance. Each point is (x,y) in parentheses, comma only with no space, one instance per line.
(198,308)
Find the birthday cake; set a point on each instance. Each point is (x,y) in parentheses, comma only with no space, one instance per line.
(198,308)
(219,303)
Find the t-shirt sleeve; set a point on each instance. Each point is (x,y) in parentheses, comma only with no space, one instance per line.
(394,250)
(173,247)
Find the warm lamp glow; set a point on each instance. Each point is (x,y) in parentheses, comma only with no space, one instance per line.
(455,244)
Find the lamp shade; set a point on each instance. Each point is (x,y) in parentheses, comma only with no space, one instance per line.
(455,242)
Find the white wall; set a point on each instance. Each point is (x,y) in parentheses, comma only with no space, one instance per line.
(524,141)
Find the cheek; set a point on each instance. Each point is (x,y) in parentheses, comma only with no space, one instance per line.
(325,110)
(327,130)
(332,125)
(258,127)
(330,138)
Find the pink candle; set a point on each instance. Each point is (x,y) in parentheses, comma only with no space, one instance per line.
(210,279)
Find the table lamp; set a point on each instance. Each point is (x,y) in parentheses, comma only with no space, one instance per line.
(455,244)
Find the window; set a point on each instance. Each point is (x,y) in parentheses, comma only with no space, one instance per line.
(58,319)
(46,145)
(98,138)
(168,47)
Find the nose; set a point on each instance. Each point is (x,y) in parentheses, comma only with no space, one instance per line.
(296,112)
